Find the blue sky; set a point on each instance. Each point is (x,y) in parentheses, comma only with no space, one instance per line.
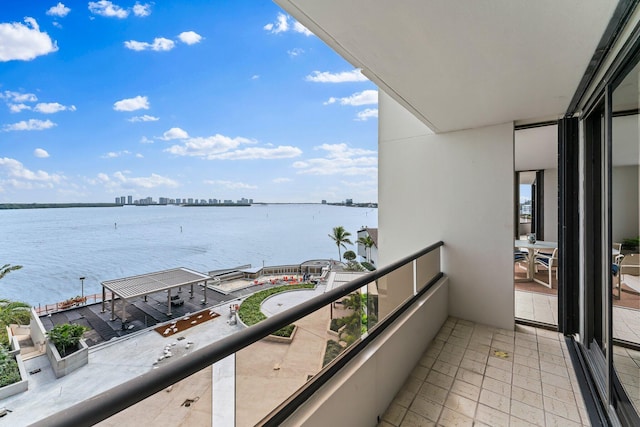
(202,99)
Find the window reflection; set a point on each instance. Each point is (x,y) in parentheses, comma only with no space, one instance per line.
(624,235)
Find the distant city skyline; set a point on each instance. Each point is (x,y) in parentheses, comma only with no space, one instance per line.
(104,98)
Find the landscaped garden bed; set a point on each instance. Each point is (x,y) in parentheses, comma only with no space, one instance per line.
(250,312)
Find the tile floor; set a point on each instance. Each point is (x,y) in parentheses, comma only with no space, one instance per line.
(476,375)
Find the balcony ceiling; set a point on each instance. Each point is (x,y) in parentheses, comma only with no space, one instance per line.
(465,64)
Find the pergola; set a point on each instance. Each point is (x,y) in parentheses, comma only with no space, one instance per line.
(143,285)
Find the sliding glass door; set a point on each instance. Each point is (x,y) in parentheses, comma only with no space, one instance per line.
(609,332)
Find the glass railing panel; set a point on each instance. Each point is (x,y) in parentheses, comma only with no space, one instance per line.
(187,402)
(394,289)
(269,371)
(427,267)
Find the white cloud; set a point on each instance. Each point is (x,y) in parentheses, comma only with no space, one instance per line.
(367,114)
(41,153)
(132,104)
(295,52)
(24,42)
(21,177)
(255,77)
(16,108)
(230,185)
(139,156)
(207,147)
(340,160)
(174,133)
(252,153)
(145,140)
(18,97)
(281,180)
(58,10)
(299,28)
(142,10)
(160,44)
(190,37)
(116,154)
(342,77)
(31,124)
(144,118)
(366,97)
(108,9)
(220,147)
(52,107)
(122,181)
(282,25)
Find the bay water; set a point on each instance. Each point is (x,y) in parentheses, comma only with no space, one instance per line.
(58,246)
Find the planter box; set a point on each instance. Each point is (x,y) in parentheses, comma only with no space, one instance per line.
(65,365)
(20,386)
(285,340)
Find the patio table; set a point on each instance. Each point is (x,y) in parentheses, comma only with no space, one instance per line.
(532,247)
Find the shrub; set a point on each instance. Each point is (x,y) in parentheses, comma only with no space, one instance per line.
(250,313)
(349,255)
(9,372)
(368,265)
(66,336)
(332,351)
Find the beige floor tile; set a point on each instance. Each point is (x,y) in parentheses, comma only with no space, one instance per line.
(553,420)
(498,374)
(476,356)
(565,410)
(411,419)
(561,394)
(495,400)
(497,386)
(427,361)
(445,368)
(527,412)
(526,371)
(465,389)
(394,414)
(461,404)
(404,398)
(434,393)
(440,379)
(556,380)
(518,422)
(412,385)
(450,418)
(426,408)
(491,416)
(470,365)
(420,372)
(469,377)
(531,384)
(526,396)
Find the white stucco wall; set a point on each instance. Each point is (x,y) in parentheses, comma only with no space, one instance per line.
(551,205)
(456,187)
(624,203)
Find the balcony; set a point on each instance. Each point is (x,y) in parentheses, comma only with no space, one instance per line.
(399,356)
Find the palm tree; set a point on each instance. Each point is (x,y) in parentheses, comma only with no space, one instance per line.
(367,242)
(14,312)
(340,236)
(5,269)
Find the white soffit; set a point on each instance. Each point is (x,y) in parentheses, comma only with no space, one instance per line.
(464,64)
(536,148)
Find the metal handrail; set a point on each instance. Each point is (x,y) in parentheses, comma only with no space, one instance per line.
(120,397)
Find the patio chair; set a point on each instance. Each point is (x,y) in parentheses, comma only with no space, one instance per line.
(520,257)
(616,274)
(550,262)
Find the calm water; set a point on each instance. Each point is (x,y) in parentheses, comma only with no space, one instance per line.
(58,246)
